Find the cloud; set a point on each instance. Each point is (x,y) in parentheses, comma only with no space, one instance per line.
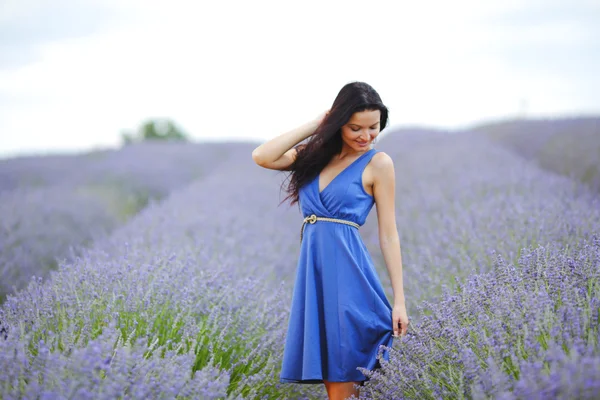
(27,25)
(551,48)
(254,69)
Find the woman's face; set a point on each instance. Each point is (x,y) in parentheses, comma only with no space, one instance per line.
(361,129)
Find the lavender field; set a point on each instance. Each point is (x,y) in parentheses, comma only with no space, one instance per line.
(50,207)
(188,295)
(568,146)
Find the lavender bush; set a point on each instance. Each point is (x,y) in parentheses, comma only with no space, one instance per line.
(39,225)
(524,331)
(108,367)
(52,206)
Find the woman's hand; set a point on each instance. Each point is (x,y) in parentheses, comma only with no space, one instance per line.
(399,320)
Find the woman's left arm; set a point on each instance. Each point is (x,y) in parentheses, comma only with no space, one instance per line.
(384,189)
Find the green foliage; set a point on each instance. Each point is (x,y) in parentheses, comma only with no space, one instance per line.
(121,201)
(155,129)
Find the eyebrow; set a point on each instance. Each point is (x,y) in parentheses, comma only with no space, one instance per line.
(352,123)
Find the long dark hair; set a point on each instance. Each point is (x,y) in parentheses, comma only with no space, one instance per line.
(316,153)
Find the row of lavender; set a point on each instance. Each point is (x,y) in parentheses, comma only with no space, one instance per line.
(194,283)
(151,167)
(568,146)
(50,207)
(459,198)
(500,317)
(527,330)
(185,300)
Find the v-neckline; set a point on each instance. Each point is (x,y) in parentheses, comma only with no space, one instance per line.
(340,173)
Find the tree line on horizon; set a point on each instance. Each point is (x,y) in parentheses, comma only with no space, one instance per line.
(163,129)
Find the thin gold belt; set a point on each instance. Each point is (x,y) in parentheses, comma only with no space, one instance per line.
(313,218)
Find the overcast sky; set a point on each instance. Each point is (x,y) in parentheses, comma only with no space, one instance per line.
(75,73)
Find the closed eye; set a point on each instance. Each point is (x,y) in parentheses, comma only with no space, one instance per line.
(356,130)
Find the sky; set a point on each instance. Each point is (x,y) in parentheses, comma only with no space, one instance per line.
(75,74)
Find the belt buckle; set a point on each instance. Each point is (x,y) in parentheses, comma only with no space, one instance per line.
(311,219)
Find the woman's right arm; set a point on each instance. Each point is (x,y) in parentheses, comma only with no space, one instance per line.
(279,153)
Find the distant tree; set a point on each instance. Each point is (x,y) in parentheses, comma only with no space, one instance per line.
(154,129)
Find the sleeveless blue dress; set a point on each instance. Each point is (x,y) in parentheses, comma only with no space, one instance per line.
(339,314)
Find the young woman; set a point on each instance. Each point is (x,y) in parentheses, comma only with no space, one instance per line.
(340,314)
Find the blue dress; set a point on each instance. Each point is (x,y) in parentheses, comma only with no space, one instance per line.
(339,314)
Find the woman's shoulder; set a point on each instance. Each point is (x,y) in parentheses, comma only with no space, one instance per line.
(382,160)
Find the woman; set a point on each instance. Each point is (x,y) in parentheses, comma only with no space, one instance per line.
(340,314)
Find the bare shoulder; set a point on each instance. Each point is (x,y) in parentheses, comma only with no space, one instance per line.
(384,180)
(382,162)
(380,170)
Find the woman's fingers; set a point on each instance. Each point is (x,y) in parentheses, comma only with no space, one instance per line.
(404,327)
(399,320)
(400,327)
